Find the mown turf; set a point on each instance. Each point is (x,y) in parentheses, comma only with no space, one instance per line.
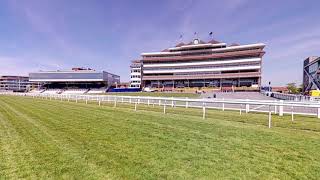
(67,140)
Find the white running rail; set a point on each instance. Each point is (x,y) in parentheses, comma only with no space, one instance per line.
(279,107)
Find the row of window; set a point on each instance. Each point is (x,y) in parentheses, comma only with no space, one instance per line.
(135,85)
(135,70)
(202,73)
(135,81)
(136,76)
(207,67)
(199,61)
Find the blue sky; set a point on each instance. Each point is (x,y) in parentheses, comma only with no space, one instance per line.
(107,35)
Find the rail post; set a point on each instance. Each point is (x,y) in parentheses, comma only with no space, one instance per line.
(240,109)
(76,99)
(222,104)
(247,107)
(159,102)
(164,106)
(269,116)
(203,110)
(115,102)
(130,101)
(292,113)
(187,102)
(281,108)
(99,102)
(122,99)
(135,106)
(148,101)
(172,102)
(318,112)
(86,100)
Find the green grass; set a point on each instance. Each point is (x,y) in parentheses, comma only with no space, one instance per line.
(158,94)
(67,140)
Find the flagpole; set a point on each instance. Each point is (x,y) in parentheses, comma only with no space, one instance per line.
(211,35)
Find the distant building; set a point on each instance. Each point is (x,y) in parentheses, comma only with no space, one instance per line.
(16,83)
(280,89)
(202,64)
(311,71)
(76,78)
(135,74)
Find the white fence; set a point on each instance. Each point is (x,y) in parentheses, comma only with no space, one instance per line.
(242,105)
(291,97)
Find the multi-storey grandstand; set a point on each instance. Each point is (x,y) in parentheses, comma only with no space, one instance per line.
(16,83)
(75,81)
(203,64)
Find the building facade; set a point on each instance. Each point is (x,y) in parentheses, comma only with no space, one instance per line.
(16,83)
(311,74)
(75,78)
(135,74)
(203,64)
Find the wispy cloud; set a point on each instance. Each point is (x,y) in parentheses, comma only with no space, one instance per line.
(108,36)
(42,20)
(14,65)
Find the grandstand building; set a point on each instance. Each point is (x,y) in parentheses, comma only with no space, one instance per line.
(77,80)
(16,83)
(203,64)
(135,75)
(311,74)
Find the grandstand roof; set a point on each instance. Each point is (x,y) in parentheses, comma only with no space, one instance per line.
(180,44)
(214,42)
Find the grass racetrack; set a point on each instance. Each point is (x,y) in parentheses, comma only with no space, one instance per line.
(67,140)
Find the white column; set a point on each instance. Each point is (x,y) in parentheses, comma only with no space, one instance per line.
(204,111)
(187,103)
(223,105)
(292,113)
(247,108)
(281,108)
(172,102)
(269,124)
